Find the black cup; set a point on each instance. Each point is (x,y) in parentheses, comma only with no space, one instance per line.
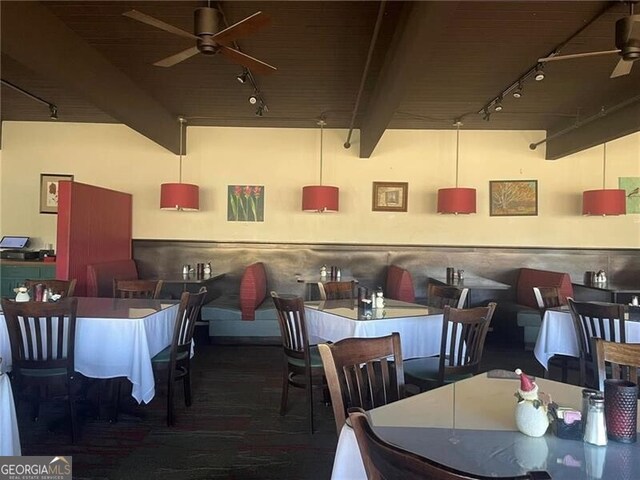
(589,278)
(621,410)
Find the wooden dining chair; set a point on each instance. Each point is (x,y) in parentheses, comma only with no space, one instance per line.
(461,346)
(385,461)
(137,288)
(363,372)
(42,337)
(549,297)
(336,290)
(596,320)
(440,295)
(621,360)
(176,358)
(299,359)
(65,288)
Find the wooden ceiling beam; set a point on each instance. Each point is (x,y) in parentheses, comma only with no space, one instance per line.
(420,24)
(619,123)
(37,39)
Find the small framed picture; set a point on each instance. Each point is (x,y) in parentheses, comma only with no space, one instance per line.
(390,196)
(513,198)
(49,191)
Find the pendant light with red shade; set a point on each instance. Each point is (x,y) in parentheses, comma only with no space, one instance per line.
(458,199)
(604,202)
(180,196)
(320,198)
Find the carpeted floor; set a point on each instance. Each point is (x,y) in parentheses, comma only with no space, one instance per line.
(233,430)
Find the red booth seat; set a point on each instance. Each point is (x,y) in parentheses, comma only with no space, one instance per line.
(253,290)
(100,276)
(529,278)
(400,284)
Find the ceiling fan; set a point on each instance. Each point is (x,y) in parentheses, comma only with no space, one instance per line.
(627,46)
(209,39)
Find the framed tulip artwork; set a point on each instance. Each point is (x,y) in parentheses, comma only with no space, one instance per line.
(245,203)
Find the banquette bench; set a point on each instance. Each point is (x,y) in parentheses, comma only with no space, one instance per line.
(523,313)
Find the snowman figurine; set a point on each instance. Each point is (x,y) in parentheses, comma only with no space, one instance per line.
(531,411)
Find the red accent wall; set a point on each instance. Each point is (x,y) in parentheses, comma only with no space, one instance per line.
(94,225)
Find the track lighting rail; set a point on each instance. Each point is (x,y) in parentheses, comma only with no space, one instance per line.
(53,108)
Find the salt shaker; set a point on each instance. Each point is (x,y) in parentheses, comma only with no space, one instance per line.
(379,298)
(587,393)
(207,268)
(323,271)
(595,431)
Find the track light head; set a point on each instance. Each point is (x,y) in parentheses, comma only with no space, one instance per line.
(253,99)
(242,78)
(261,110)
(486,115)
(497,106)
(539,73)
(517,93)
(53,110)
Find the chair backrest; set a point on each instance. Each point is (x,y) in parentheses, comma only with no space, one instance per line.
(363,372)
(547,297)
(383,460)
(136,288)
(63,287)
(440,295)
(293,327)
(596,320)
(463,335)
(624,359)
(42,334)
(336,290)
(186,318)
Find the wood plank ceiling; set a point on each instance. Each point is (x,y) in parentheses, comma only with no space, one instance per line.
(433,62)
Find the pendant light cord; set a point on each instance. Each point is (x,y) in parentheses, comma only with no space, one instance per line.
(604,163)
(322,123)
(181,121)
(458,123)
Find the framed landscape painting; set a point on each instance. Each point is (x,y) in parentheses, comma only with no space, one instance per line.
(49,191)
(631,187)
(513,198)
(245,203)
(390,196)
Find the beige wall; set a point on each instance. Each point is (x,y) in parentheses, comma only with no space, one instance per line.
(284,160)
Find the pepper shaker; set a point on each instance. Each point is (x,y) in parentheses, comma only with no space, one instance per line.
(595,431)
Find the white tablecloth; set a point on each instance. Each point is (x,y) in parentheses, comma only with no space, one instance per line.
(557,336)
(9,435)
(116,347)
(420,336)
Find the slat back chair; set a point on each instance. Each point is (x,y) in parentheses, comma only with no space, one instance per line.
(549,297)
(336,290)
(440,295)
(299,359)
(623,358)
(42,337)
(137,288)
(177,356)
(65,288)
(363,372)
(463,335)
(384,461)
(596,320)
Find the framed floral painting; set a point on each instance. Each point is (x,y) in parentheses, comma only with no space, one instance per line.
(513,198)
(245,203)
(49,191)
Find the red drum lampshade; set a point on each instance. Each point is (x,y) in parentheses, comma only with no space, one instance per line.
(457,200)
(179,196)
(320,198)
(604,202)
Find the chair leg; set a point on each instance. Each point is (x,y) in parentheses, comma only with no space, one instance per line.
(285,390)
(72,412)
(186,382)
(309,382)
(170,402)
(35,403)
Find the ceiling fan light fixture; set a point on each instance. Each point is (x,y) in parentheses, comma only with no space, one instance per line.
(539,73)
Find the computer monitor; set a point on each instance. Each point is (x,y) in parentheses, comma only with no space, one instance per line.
(10,241)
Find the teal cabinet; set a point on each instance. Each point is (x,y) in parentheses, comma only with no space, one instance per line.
(14,275)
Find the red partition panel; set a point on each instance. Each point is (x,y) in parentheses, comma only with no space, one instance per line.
(94,226)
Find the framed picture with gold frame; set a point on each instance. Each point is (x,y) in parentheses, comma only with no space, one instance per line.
(390,196)
(49,191)
(513,198)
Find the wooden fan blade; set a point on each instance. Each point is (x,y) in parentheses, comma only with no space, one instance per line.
(245,60)
(177,58)
(154,22)
(243,28)
(622,68)
(577,55)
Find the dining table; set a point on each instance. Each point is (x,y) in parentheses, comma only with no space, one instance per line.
(609,291)
(9,434)
(475,284)
(419,326)
(557,335)
(470,426)
(116,337)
